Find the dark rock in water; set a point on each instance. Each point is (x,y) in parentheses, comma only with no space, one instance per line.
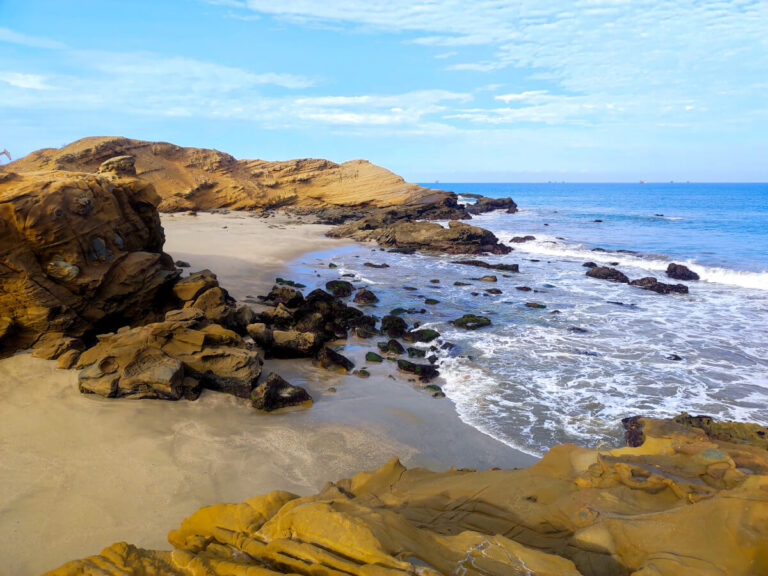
(393,326)
(605,273)
(431,301)
(459,283)
(435,281)
(391,347)
(410,288)
(182,264)
(650,283)
(416,352)
(425,372)
(523,288)
(373,357)
(471,322)
(674,357)
(534,305)
(484,204)
(332,360)
(588,353)
(365,296)
(435,390)
(596,220)
(493,291)
(589,265)
(486,279)
(680,272)
(482,264)
(372,265)
(423,335)
(365,333)
(399,311)
(577,330)
(276,393)
(332,265)
(362,373)
(339,288)
(521,239)
(598,249)
(475,293)
(402,250)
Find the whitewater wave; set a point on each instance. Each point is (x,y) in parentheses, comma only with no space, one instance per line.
(552,246)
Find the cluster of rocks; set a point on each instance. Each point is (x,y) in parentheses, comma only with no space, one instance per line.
(299,326)
(675,271)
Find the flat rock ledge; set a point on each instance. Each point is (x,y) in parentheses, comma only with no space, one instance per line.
(690,498)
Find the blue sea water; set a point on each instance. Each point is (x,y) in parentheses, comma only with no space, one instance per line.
(599,351)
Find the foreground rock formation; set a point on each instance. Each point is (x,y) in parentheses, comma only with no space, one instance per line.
(78,253)
(203,179)
(690,499)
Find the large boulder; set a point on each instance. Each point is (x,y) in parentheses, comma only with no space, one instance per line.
(79,254)
(331,360)
(606,273)
(275,393)
(169,359)
(680,272)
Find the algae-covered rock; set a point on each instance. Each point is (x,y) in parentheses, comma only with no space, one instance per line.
(391,346)
(339,288)
(373,357)
(393,326)
(421,335)
(471,322)
(425,372)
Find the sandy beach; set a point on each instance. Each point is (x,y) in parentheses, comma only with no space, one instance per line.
(81,472)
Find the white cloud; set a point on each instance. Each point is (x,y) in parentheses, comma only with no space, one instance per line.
(13,37)
(24,81)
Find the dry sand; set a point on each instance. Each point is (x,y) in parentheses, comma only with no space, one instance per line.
(80,472)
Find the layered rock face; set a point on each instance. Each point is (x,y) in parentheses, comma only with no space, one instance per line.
(203,179)
(692,499)
(77,252)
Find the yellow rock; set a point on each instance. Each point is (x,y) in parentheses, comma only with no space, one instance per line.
(685,510)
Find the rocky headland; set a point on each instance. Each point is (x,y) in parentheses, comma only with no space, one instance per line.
(688,496)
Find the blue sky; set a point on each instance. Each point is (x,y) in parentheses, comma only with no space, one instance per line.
(488,90)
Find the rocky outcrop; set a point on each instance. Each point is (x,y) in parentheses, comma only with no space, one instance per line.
(610,274)
(203,179)
(680,272)
(650,283)
(471,322)
(457,238)
(483,205)
(169,360)
(691,498)
(79,254)
(482,264)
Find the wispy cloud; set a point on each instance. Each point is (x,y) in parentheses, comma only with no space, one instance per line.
(13,37)
(24,81)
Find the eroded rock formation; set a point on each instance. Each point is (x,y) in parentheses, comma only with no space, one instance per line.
(691,499)
(78,252)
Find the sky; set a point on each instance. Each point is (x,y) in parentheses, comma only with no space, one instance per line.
(448,90)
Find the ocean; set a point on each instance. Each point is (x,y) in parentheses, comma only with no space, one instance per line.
(598,351)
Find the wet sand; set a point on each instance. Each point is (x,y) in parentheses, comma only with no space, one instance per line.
(78,473)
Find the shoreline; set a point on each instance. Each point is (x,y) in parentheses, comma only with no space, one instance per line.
(81,472)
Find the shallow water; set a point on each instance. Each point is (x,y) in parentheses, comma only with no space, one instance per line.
(537,378)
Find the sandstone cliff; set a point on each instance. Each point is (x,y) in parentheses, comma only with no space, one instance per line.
(203,179)
(691,499)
